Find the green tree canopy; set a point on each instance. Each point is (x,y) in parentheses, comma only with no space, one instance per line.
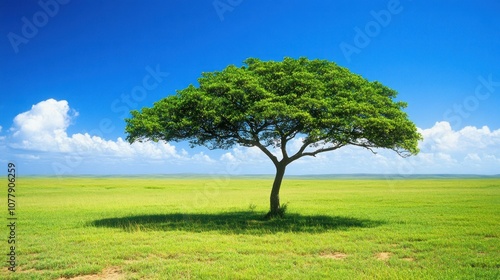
(268,103)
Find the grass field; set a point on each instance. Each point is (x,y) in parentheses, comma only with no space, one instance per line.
(208,228)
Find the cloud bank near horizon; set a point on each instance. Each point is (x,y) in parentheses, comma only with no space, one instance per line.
(39,137)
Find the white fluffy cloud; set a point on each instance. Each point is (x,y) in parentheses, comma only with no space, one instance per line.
(43,128)
(441,137)
(470,150)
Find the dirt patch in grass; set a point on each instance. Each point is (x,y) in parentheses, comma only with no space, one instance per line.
(409,259)
(335,256)
(110,273)
(383,256)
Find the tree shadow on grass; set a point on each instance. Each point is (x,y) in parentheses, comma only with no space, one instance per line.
(234,223)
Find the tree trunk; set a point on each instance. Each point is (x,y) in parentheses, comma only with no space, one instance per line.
(275,192)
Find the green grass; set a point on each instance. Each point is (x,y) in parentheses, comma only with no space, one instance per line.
(205,228)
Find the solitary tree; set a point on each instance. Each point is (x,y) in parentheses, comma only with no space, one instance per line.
(266,104)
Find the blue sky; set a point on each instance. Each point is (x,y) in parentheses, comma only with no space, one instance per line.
(71,71)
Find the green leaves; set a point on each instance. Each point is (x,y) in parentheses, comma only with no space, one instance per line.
(267,103)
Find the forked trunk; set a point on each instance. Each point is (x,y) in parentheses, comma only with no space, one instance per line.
(275,192)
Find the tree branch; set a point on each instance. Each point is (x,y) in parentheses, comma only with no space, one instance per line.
(367,146)
(283,147)
(256,142)
(322,150)
(402,153)
(268,153)
(298,154)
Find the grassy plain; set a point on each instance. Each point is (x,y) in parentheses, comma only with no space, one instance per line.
(211,228)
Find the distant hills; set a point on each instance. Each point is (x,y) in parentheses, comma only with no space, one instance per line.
(271,176)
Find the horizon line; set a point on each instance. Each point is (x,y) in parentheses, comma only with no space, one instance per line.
(326,176)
